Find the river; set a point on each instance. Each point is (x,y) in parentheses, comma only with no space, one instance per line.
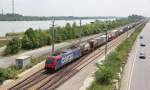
(21,26)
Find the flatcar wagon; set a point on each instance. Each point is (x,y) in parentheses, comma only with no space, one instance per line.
(93,44)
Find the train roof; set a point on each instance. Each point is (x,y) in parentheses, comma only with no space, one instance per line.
(98,38)
(115,30)
(103,36)
(92,40)
(54,57)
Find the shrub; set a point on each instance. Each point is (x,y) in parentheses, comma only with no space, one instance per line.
(9,73)
(3,75)
(13,46)
(104,76)
(26,43)
(12,72)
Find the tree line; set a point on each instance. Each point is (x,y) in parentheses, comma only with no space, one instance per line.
(134,18)
(18,17)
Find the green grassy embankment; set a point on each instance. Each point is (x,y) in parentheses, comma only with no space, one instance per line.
(107,72)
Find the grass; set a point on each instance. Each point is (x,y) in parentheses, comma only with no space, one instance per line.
(9,73)
(3,42)
(111,66)
(96,86)
(35,61)
(13,34)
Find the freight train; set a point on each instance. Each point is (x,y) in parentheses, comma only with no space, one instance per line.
(65,56)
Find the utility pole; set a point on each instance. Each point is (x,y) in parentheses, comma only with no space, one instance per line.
(53,35)
(80,37)
(127,32)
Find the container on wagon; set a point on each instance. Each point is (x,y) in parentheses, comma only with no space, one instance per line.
(99,41)
(115,33)
(104,38)
(109,36)
(120,31)
(125,29)
(85,47)
(130,26)
(93,43)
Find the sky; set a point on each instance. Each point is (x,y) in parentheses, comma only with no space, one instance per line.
(77,7)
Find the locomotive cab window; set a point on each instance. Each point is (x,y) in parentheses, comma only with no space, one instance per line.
(49,61)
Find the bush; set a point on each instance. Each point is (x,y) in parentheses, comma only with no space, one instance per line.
(3,75)
(13,46)
(104,76)
(26,43)
(12,72)
(9,73)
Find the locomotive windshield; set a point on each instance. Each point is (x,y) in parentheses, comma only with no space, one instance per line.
(49,61)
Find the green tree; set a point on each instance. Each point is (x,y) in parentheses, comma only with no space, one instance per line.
(69,31)
(104,76)
(31,39)
(26,42)
(48,38)
(59,37)
(13,46)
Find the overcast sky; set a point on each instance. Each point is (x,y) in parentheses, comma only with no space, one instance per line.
(78,7)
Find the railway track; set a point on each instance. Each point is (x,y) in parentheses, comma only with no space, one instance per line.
(29,79)
(44,81)
(42,85)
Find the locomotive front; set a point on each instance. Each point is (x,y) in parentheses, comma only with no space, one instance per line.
(51,62)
